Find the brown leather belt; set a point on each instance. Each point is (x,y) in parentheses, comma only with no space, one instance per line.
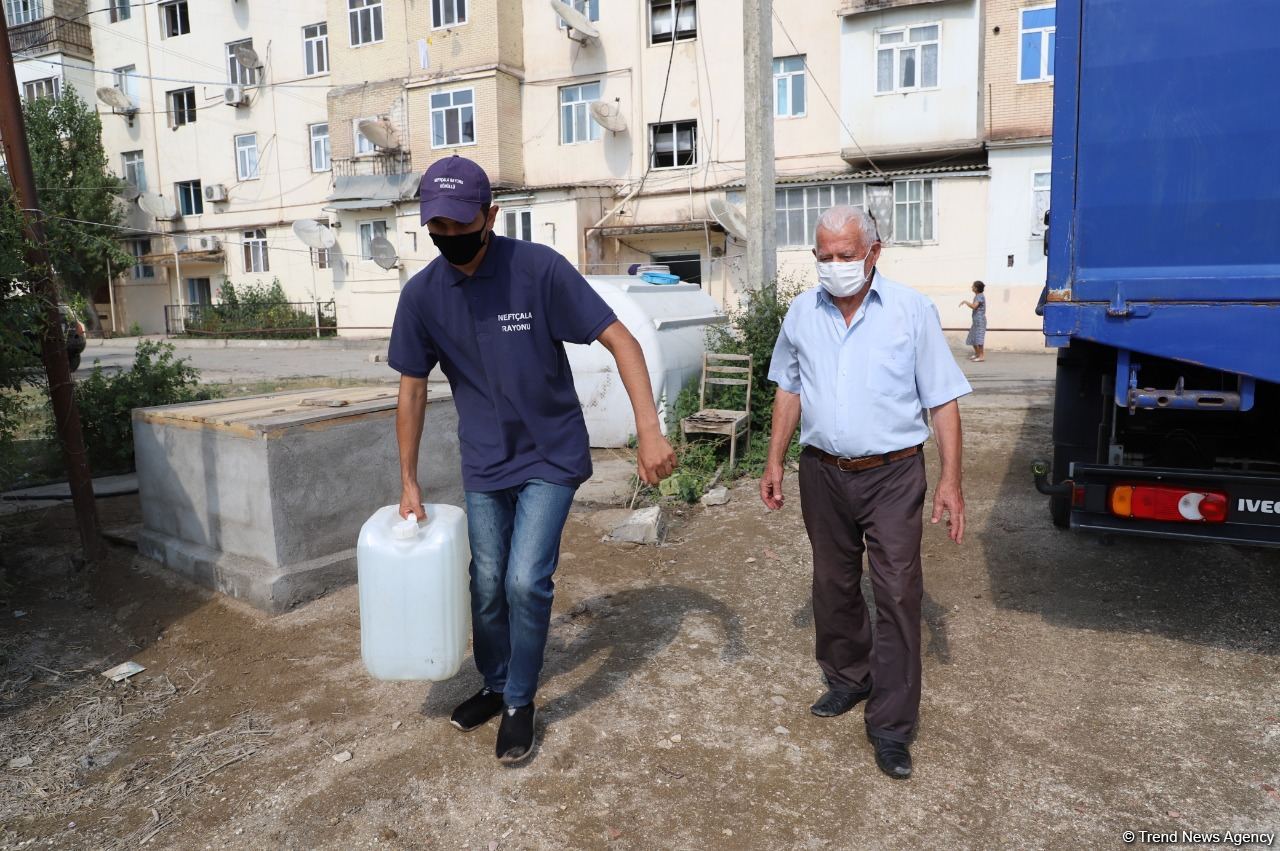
(868,462)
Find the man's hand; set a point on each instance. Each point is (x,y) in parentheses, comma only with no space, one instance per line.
(411,502)
(771,486)
(655,458)
(949,499)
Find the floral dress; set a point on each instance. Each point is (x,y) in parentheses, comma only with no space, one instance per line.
(978,330)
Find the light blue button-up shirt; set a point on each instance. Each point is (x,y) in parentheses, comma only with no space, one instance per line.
(866,388)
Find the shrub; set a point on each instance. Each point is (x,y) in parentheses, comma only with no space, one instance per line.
(752,330)
(257,309)
(107,402)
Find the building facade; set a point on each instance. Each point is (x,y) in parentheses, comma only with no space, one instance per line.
(225,145)
(1018,71)
(52,48)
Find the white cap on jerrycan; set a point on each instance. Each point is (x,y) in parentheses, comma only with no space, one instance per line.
(405,529)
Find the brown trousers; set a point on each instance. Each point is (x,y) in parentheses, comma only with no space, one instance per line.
(877,511)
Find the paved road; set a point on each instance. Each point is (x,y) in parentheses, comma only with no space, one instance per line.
(1002,373)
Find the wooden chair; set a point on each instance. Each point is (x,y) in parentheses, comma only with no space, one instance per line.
(727,422)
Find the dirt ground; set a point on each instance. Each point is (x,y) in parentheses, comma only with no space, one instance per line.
(1075,687)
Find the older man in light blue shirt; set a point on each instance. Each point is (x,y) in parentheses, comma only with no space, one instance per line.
(862,364)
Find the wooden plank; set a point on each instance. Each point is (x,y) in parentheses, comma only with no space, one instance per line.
(715,356)
(733,382)
(734,370)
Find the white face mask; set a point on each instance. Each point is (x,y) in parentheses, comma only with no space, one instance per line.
(844,279)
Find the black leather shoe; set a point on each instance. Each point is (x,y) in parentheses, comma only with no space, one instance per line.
(477,710)
(515,734)
(893,757)
(838,702)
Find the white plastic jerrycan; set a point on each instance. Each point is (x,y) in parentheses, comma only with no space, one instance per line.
(415,599)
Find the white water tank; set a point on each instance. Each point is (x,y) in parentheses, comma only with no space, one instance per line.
(670,322)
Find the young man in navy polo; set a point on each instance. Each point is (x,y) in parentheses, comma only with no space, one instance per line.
(495,314)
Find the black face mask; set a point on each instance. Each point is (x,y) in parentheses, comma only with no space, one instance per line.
(462,248)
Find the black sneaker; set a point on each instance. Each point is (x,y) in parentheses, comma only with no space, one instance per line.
(515,735)
(476,710)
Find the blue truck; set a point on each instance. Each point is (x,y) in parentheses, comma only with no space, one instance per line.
(1163,287)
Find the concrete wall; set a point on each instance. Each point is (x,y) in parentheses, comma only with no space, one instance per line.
(1014,110)
(73,73)
(273,520)
(915,119)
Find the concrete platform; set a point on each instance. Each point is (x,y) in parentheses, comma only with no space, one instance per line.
(263,497)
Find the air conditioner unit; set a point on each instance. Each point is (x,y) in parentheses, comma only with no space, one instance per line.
(204,243)
(235,96)
(215,192)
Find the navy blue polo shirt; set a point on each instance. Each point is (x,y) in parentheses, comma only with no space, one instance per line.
(499,337)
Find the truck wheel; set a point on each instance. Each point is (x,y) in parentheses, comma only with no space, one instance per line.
(1079,410)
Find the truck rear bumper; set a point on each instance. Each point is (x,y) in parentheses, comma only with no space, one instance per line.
(1253,504)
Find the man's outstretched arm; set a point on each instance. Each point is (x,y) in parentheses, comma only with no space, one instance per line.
(655,458)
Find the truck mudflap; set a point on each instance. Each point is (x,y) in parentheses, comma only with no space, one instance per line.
(1192,505)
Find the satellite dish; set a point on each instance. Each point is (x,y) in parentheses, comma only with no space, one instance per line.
(116,99)
(313,234)
(158,206)
(729,217)
(575,20)
(247,56)
(381,132)
(609,115)
(129,192)
(383,252)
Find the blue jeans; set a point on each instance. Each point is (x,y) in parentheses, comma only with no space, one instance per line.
(515,546)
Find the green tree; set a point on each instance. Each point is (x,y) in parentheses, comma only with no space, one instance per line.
(77,194)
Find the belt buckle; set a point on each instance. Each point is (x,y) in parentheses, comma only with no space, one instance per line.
(841,465)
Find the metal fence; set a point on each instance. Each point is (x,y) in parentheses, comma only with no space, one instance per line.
(382,163)
(266,320)
(49,35)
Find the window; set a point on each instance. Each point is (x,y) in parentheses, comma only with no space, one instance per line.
(199,291)
(674,144)
(255,251)
(913,211)
(126,80)
(364,18)
(182,107)
(907,58)
(23,11)
(788,82)
(190,198)
(686,266)
(362,143)
(518,223)
(576,123)
(174,20)
(797,209)
(670,19)
(448,13)
(315,48)
(453,119)
(589,8)
(320,146)
(369,231)
(49,87)
(140,248)
(239,74)
(135,171)
(1035,48)
(120,11)
(247,157)
(1040,183)
(320,257)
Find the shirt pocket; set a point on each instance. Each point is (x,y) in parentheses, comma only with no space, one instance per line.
(892,368)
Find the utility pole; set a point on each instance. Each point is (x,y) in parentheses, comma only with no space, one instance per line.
(757,49)
(53,345)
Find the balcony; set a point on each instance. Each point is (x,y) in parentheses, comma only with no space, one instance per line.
(51,35)
(195,248)
(381,163)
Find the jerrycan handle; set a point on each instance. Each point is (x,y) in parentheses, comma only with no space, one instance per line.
(405,529)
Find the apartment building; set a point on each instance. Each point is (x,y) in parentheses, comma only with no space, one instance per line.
(52,49)
(436,78)
(912,104)
(225,144)
(1018,75)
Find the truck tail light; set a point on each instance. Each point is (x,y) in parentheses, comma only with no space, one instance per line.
(1166,502)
